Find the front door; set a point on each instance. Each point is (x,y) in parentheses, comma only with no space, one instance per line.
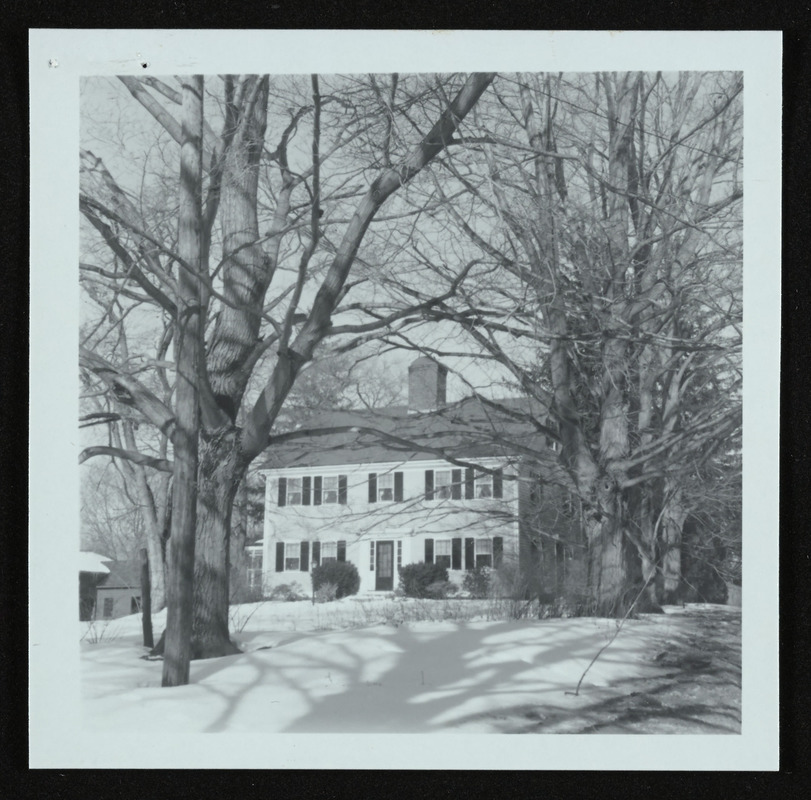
(384,567)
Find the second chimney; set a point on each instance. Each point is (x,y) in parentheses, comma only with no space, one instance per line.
(426,385)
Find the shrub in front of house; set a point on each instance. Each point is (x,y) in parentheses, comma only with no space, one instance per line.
(287,592)
(442,589)
(476,582)
(417,580)
(344,574)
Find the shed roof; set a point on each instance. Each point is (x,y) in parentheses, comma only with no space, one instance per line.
(123,575)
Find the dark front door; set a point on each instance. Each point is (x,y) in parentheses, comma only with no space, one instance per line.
(384,567)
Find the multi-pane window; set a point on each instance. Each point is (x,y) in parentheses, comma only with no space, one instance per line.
(329,551)
(254,569)
(385,487)
(442,553)
(329,492)
(292,554)
(442,484)
(371,556)
(484,552)
(108,607)
(484,485)
(399,554)
(294,492)
(313,490)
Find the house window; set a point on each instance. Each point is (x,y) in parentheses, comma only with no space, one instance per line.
(294,492)
(135,604)
(484,553)
(108,607)
(442,484)
(371,556)
(292,555)
(330,489)
(399,554)
(329,551)
(442,553)
(385,487)
(484,486)
(254,569)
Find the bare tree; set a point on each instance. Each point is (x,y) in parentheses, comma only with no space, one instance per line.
(271,294)
(605,212)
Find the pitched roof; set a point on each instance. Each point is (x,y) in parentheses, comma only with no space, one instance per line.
(123,575)
(469,429)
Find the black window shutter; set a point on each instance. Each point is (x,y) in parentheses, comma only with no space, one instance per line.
(317,490)
(304,566)
(317,552)
(342,489)
(372,487)
(456,554)
(429,484)
(470,554)
(398,487)
(456,484)
(469,490)
(429,551)
(498,551)
(342,551)
(306,483)
(279,556)
(282,491)
(498,483)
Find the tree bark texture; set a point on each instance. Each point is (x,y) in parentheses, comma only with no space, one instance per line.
(218,477)
(178,646)
(146,600)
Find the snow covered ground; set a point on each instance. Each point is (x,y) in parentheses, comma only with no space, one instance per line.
(367,665)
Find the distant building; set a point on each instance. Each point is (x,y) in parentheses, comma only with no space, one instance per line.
(108,588)
(92,570)
(467,484)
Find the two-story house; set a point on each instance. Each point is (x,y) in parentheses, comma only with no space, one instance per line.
(466,484)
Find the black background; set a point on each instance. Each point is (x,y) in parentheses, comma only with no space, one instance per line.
(18,16)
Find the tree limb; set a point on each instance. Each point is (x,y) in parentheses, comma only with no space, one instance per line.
(129,455)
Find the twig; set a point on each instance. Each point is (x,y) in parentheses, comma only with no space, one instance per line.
(576,692)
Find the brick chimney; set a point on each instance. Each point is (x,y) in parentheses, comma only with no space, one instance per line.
(426,385)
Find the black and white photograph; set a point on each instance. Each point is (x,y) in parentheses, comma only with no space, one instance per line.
(406,399)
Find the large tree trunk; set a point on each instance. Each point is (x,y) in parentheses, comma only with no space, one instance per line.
(608,570)
(647,552)
(177,652)
(672,524)
(246,273)
(608,553)
(219,476)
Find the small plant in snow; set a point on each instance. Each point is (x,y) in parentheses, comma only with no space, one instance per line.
(326,593)
(98,630)
(344,574)
(240,615)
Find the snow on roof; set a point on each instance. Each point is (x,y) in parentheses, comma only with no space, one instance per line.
(123,575)
(92,562)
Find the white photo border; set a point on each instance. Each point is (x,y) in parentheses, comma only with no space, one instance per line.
(58,59)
